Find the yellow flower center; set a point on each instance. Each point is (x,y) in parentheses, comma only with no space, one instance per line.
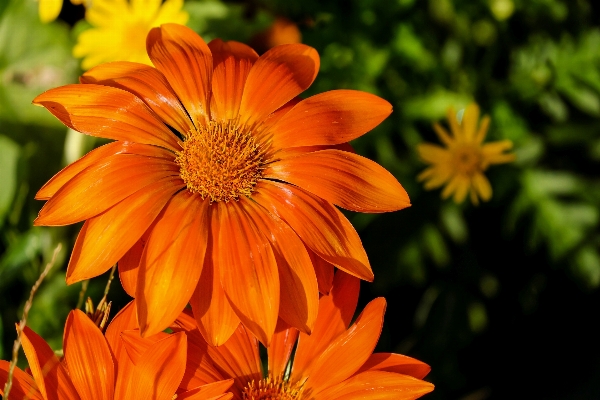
(272,389)
(467,159)
(221,161)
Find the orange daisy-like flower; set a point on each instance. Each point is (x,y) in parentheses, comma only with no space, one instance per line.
(334,362)
(118,365)
(220,186)
(461,165)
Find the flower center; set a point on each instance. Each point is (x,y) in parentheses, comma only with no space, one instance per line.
(221,161)
(467,159)
(272,389)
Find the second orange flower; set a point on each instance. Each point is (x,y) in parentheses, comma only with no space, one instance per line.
(220,187)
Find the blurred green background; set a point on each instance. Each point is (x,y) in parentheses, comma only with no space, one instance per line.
(501,299)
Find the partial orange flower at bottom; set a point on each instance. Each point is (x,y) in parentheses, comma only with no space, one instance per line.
(460,165)
(120,365)
(334,362)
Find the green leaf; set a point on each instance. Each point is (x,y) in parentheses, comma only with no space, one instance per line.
(9,157)
(34,57)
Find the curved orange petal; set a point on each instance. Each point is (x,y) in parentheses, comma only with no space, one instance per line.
(299,293)
(52,380)
(281,347)
(23,385)
(397,363)
(321,226)
(185,60)
(238,358)
(263,132)
(278,76)
(377,385)
(335,313)
(107,112)
(215,390)
(324,272)
(333,117)
(232,62)
(129,265)
(158,372)
(200,369)
(242,251)
(125,320)
(172,261)
(342,178)
(147,83)
(349,351)
(216,319)
(101,186)
(104,239)
(136,346)
(93,157)
(88,358)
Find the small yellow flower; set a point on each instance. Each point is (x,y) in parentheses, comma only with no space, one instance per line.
(460,165)
(120,28)
(49,9)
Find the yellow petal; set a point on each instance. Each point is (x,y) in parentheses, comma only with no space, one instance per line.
(49,10)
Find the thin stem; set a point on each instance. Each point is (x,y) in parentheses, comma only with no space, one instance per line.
(17,344)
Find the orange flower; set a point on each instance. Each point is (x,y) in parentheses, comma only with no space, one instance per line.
(334,362)
(220,187)
(120,365)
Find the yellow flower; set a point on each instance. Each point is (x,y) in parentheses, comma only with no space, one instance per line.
(120,28)
(49,9)
(460,165)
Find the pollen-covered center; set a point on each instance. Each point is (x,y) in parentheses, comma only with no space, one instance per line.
(467,159)
(272,389)
(220,161)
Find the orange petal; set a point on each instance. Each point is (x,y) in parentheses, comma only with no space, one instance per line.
(348,180)
(216,319)
(232,63)
(158,372)
(333,117)
(263,132)
(129,265)
(172,262)
(215,390)
(107,112)
(324,272)
(125,320)
(335,313)
(321,226)
(93,157)
(136,346)
(147,83)
(104,239)
(377,385)
(185,59)
(281,348)
(349,351)
(101,186)
(23,385)
(239,359)
(397,363)
(278,76)
(200,368)
(299,293)
(242,251)
(89,359)
(52,380)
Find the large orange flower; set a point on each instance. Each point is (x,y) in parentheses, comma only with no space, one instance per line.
(334,362)
(220,186)
(120,365)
